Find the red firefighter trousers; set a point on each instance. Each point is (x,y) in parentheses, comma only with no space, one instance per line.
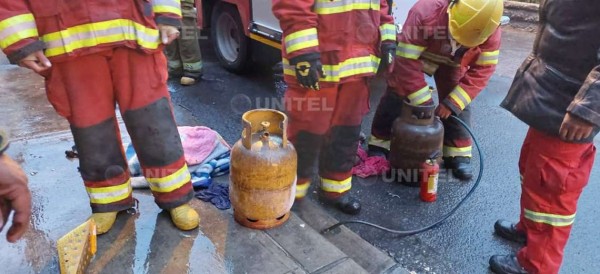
(554,174)
(324,127)
(86,89)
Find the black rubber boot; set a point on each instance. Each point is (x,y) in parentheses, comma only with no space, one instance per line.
(460,166)
(506,264)
(346,204)
(508,231)
(377,151)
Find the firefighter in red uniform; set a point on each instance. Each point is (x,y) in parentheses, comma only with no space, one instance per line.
(96,54)
(330,50)
(557,93)
(457,43)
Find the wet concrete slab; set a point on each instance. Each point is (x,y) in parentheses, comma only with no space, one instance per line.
(144,240)
(24,107)
(307,247)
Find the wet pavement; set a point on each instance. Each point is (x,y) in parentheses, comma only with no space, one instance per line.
(147,242)
(144,240)
(465,242)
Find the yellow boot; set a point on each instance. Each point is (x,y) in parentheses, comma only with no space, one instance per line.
(184,217)
(187,81)
(104,221)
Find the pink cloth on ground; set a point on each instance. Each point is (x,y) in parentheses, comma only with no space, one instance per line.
(198,143)
(370,166)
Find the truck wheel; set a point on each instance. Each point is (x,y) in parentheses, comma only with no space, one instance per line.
(228,37)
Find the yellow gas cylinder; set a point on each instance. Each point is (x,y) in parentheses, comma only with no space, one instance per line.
(263,171)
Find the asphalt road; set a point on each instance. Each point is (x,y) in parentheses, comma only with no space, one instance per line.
(464,243)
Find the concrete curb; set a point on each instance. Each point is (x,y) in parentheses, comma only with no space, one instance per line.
(367,256)
(522,15)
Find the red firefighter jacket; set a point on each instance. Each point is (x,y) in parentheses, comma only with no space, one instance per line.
(347,34)
(67,28)
(425,34)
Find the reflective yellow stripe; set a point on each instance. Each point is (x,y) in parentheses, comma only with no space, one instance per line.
(167,6)
(420,96)
(339,6)
(301,40)
(17,28)
(409,51)
(111,194)
(460,97)
(196,66)
(93,34)
(457,151)
(388,32)
(488,58)
(336,186)
(18,19)
(302,190)
(374,141)
(171,182)
(550,219)
(350,67)
(167,9)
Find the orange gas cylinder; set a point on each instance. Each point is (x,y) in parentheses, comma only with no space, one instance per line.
(263,171)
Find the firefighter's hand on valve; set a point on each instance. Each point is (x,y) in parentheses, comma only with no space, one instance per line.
(443,111)
(36,61)
(14,196)
(388,52)
(168,33)
(308,70)
(574,128)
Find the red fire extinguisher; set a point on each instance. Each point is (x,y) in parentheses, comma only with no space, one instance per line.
(429,180)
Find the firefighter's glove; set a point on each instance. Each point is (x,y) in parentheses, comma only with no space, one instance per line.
(308,70)
(388,52)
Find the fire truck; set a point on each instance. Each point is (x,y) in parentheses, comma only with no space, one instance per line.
(243,31)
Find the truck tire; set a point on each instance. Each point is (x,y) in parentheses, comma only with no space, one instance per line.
(229,40)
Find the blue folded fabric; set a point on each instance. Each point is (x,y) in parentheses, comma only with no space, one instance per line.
(216,194)
(202,176)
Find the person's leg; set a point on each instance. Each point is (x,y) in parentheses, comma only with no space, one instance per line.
(189,47)
(507,229)
(457,141)
(85,97)
(309,113)
(387,112)
(140,82)
(523,162)
(341,143)
(174,64)
(552,184)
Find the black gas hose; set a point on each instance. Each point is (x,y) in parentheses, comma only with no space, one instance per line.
(443,218)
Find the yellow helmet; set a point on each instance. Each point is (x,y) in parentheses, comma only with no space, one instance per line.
(472,22)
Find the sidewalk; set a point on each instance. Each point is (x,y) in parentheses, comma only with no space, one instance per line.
(146,241)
